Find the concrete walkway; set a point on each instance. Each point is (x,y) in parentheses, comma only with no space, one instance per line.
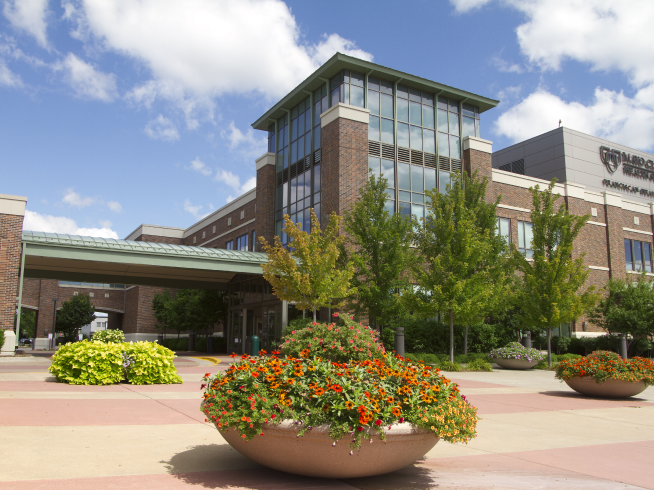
(535,433)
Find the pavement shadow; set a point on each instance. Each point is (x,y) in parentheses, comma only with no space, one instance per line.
(414,477)
(579,396)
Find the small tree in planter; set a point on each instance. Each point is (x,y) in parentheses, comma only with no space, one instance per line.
(307,271)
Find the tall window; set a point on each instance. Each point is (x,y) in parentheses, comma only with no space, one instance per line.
(380,103)
(470,119)
(254,241)
(242,243)
(412,180)
(504,229)
(301,131)
(638,255)
(320,105)
(347,87)
(229,245)
(526,238)
(386,168)
(448,128)
(271,138)
(282,143)
(415,120)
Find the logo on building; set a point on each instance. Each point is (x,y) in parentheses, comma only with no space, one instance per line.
(632,164)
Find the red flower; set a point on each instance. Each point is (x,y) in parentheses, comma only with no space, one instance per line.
(378,422)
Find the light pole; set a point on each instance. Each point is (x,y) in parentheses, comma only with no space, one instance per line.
(54,319)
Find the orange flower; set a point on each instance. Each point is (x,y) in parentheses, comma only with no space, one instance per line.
(349,405)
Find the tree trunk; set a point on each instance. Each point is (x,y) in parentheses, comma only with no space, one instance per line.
(314,315)
(465,340)
(549,346)
(451,336)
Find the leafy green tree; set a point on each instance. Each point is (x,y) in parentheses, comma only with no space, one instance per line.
(380,245)
(27,323)
(73,315)
(627,308)
(189,309)
(550,294)
(308,272)
(462,266)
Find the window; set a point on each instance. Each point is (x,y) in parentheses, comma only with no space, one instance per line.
(254,241)
(525,238)
(470,121)
(415,120)
(504,229)
(347,88)
(213,230)
(271,138)
(300,130)
(638,255)
(380,103)
(194,240)
(448,128)
(229,245)
(282,143)
(412,180)
(320,105)
(229,221)
(242,214)
(386,168)
(204,234)
(242,243)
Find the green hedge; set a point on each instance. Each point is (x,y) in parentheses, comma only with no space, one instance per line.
(585,345)
(99,363)
(181,344)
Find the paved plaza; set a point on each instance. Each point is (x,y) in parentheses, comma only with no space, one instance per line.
(535,433)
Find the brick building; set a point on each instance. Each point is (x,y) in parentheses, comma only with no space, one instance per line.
(351,117)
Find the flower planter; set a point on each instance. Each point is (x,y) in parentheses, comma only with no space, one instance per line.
(314,455)
(514,363)
(611,388)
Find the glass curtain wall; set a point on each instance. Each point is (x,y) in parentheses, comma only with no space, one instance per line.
(347,88)
(449,141)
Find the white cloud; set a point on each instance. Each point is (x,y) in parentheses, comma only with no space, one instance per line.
(7,77)
(115,206)
(506,67)
(196,211)
(60,224)
(72,198)
(28,16)
(199,166)
(217,48)
(248,144)
(86,80)
(162,128)
(234,181)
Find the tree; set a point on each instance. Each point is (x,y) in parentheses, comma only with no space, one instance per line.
(380,246)
(308,272)
(27,323)
(189,309)
(552,279)
(462,266)
(74,314)
(627,308)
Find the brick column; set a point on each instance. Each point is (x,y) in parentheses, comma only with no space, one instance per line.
(49,290)
(265,203)
(477,157)
(12,212)
(615,234)
(344,157)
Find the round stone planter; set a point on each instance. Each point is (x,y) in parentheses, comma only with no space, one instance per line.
(313,454)
(611,388)
(514,363)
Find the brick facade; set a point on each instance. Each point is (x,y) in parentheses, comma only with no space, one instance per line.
(11,229)
(265,217)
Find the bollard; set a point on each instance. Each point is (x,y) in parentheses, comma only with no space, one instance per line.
(526,340)
(622,345)
(210,345)
(191,342)
(254,343)
(399,341)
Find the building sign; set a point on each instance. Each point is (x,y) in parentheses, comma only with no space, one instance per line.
(627,188)
(632,165)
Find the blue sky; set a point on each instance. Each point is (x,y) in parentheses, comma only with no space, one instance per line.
(127,112)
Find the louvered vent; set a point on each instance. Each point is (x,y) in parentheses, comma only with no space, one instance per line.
(444,163)
(285,178)
(293,171)
(403,155)
(388,151)
(280,178)
(456,165)
(518,167)
(506,167)
(374,148)
(430,160)
(416,157)
(317,156)
(307,162)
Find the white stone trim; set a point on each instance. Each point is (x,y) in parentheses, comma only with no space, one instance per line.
(265,159)
(228,232)
(478,144)
(598,268)
(13,205)
(9,347)
(575,190)
(344,111)
(638,231)
(505,206)
(596,223)
(636,207)
(640,272)
(594,197)
(588,334)
(225,210)
(612,199)
(524,181)
(156,230)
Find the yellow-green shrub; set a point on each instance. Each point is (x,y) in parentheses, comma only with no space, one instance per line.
(152,364)
(100,363)
(88,363)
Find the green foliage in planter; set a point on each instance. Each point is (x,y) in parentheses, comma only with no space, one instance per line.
(450,366)
(153,364)
(88,363)
(297,324)
(602,365)
(109,336)
(479,365)
(2,338)
(517,351)
(100,363)
(426,358)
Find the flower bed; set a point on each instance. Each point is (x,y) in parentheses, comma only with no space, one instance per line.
(354,398)
(516,351)
(604,365)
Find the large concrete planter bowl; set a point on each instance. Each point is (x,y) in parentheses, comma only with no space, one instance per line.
(313,454)
(514,363)
(611,388)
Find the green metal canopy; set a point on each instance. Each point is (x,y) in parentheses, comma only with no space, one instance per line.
(92,259)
